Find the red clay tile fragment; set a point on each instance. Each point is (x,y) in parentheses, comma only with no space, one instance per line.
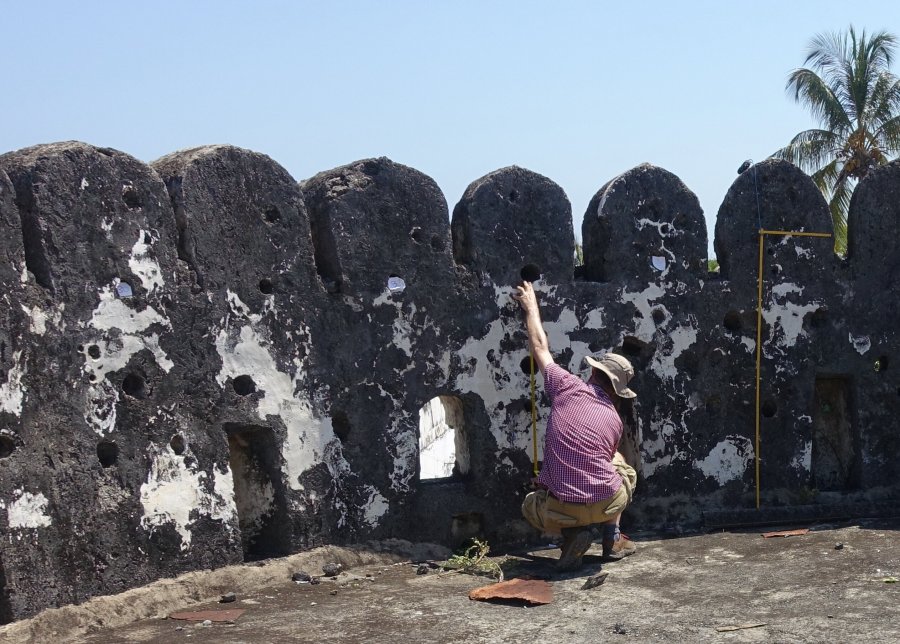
(531,591)
(786,533)
(229,615)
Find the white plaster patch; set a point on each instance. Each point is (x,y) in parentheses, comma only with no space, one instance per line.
(749,343)
(594,319)
(246,352)
(113,351)
(653,451)
(113,313)
(143,264)
(804,253)
(803,460)
(27,510)
(12,392)
(645,327)
(788,315)
(862,343)
(728,460)
(664,361)
(100,413)
(376,507)
(173,490)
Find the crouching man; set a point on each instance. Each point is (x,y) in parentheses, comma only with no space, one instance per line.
(584,483)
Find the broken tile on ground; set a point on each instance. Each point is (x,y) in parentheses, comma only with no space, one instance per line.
(531,591)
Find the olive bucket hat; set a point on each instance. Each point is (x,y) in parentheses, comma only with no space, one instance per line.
(618,369)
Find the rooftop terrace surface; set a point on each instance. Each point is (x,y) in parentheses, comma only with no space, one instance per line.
(834,583)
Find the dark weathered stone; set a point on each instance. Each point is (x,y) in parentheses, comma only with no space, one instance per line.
(252,282)
(514,223)
(92,219)
(374,219)
(263,388)
(644,213)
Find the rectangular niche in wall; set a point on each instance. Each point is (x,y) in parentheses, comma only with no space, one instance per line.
(443,449)
(259,491)
(834,456)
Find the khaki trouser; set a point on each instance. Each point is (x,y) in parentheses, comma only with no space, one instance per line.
(550,515)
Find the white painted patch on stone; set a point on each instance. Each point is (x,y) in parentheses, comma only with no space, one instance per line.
(143,264)
(728,460)
(38,317)
(376,507)
(27,510)
(862,343)
(804,253)
(122,335)
(84,183)
(749,344)
(803,461)
(173,490)
(787,315)
(100,412)
(594,319)
(663,364)
(12,392)
(307,436)
(645,327)
(113,313)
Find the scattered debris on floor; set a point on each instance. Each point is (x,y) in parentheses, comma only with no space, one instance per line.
(839,546)
(595,580)
(619,629)
(786,533)
(332,569)
(301,577)
(531,591)
(740,627)
(225,615)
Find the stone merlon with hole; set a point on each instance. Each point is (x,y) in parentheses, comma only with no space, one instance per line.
(203,361)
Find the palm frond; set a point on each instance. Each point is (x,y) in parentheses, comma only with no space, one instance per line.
(809,89)
(810,149)
(888,133)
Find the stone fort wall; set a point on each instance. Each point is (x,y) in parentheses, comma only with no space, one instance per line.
(201,361)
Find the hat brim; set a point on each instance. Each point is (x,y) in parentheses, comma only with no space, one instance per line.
(622,391)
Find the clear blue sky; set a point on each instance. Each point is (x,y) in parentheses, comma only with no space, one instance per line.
(577,91)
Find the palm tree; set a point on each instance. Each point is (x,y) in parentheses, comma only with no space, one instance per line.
(856,100)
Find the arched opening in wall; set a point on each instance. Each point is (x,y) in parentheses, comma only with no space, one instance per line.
(443,443)
(835,457)
(259,491)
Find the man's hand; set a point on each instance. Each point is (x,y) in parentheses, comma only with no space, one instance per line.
(526,298)
(537,339)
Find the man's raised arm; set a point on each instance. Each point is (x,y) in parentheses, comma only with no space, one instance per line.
(537,338)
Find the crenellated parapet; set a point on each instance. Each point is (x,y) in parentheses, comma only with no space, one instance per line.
(203,361)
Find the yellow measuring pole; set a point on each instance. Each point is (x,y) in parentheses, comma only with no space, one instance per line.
(533,421)
(762,235)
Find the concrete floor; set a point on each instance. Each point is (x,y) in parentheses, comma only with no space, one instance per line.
(801,588)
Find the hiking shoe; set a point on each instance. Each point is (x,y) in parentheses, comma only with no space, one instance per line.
(576,542)
(619,549)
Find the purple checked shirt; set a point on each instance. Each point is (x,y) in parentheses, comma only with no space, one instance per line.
(583,434)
